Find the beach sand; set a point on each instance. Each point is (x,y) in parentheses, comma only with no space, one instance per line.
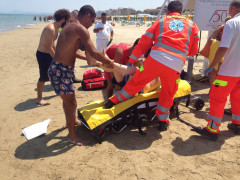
(178,153)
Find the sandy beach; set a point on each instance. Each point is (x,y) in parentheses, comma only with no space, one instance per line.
(178,153)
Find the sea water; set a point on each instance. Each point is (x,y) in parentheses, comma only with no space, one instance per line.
(15,21)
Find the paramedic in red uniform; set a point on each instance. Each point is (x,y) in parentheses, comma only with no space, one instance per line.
(172,39)
(119,52)
(228,77)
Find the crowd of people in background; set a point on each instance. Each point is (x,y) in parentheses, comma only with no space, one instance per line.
(45,18)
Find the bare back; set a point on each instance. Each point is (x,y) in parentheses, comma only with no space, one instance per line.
(47,39)
(69,42)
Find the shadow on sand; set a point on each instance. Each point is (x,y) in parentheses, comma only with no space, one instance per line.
(47,88)
(198,145)
(38,147)
(30,104)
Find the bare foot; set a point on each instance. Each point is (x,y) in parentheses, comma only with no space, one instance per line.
(77,123)
(42,102)
(77,141)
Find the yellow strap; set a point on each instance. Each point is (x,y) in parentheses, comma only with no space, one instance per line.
(141,68)
(213,130)
(181,17)
(220,82)
(178,80)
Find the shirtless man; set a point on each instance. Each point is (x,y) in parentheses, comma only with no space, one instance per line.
(46,49)
(61,70)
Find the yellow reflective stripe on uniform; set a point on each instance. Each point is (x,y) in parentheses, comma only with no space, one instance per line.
(181,17)
(213,130)
(141,68)
(220,82)
(178,80)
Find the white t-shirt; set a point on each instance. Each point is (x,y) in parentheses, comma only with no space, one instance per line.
(231,39)
(105,33)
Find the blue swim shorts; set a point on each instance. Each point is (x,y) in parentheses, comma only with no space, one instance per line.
(60,76)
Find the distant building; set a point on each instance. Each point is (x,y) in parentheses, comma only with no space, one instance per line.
(151,11)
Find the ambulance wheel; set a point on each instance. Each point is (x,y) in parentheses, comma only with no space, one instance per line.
(143,118)
(199,104)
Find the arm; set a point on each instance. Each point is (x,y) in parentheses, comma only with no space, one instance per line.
(111,29)
(85,38)
(80,55)
(215,33)
(118,68)
(97,29)
(144,43)
(111,37)
(218,56)
(224,45)
(193,44)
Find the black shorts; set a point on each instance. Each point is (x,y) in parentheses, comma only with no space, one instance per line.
(44,61)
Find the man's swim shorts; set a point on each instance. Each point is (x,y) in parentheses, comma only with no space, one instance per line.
(60,76)
(44,61)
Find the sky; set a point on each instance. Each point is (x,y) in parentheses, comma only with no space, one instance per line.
(50,6)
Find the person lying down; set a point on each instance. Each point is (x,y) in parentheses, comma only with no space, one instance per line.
(123,73)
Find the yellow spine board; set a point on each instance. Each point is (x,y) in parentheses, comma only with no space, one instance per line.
(95,114)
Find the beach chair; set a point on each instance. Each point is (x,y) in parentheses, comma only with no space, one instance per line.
(139,109)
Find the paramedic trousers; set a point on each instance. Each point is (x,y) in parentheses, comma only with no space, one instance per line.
(221,88)
(151,69)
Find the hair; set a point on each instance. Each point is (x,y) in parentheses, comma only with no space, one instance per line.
(87,9)
(60,14)
(175,6)
(75,13)
(103,14)
(235,3)
(136,42)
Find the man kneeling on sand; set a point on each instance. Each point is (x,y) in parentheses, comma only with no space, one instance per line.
(61,70)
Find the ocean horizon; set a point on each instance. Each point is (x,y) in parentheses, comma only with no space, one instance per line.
(10,22)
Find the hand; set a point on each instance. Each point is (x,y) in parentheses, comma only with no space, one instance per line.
(212,76)
(100,29)
(207,71)
(138,63)
(111,38)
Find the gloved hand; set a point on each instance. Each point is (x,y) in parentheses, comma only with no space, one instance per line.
(207,71)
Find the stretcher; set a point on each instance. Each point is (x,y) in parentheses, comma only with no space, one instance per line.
(141,108)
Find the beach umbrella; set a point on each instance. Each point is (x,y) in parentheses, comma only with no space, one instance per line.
(128,18)
(145,18)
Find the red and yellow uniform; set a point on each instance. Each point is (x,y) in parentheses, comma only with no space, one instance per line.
(171,40)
